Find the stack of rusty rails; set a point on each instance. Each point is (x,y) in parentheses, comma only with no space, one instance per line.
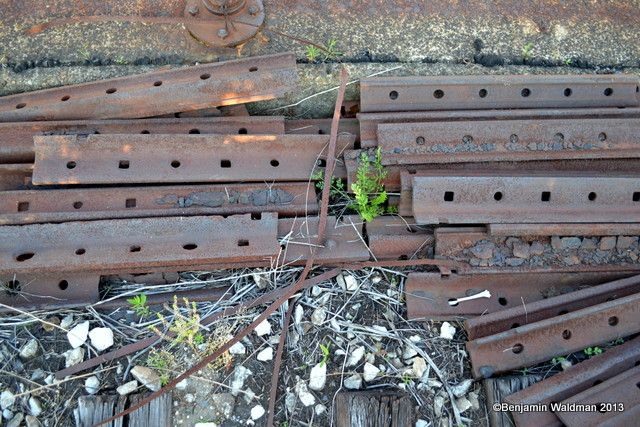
(143,174)
(599,391)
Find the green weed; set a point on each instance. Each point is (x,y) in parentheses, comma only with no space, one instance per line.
(527,50)
(369,187)
(139,305)
(592,351)
(325,353)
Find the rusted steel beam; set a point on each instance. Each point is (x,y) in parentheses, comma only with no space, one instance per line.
(567,229)
(159,92)
(500,198)
(344,242)
(15,177)
(34,291)
(493,91)
(17,138)
(615,402)
(369,122)
(112,246)
(508,140)
(450,240)
(61,205)
(565,384)
(393,237)
(564,334)
(535,311)
(122,159)
(322,127)
(434,296)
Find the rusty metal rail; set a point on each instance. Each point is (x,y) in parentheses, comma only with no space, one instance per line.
(508,140)
(535,311)
(555,198)
(110,159)
(397,238)
(17,138)
(160,92)
(615,402)
(567,229)
(61,205)
(493,91)
(435,296)
(579,378)
(33,291)
(113,246)
(564,334)
(15,177)
(369,122)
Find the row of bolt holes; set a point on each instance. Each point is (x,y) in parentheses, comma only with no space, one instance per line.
(113,90)
(134,248)
(124,164)
(545,196)
(566,334)
(482,93)
(468,139)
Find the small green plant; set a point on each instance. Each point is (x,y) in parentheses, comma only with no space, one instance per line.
(527,50)
(392,210)
(185,328)
(163,362)
(325,353)
(337,185)
(592,351)
(568,62)
(406,379)
(369,187)
(524,371)
(312,53)
(557,360)
(328,52)
(139,305)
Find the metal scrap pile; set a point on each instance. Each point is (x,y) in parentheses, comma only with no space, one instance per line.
(163,172)
(524,167)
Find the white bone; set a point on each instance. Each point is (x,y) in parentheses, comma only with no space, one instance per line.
(483,294)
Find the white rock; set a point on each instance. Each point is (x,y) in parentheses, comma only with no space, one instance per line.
(438,403)
(316,291)
(189,398)
(376,279)
(463,404)
(565,364)
(334,325)
(260,280)
(355,357)
(257,412)
(298,314)
(208,424)
(92,384)
(306,398)
(347,282)
(447,331)
(66,322)
(78,335)
(380,329)
(431,382)
(248,395)
(409,352)
(421,423)
(318,376)
(127,388)
(147,377)
(461,388)
(238,348)
(415,339)
(101,338)
(16,421)
(263,328)
(240,374)
(370,358)
(418,367)
(7,399)
(30,349)
(473,398)
(35,407)
(318,316)
(320,409)
(370,372)
(50,379)
(182,385)
(290,401)
(354,382)
(265,355)
(7,414)
(73,357)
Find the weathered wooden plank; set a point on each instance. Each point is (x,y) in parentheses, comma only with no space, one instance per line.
(376,408)
(93,409)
